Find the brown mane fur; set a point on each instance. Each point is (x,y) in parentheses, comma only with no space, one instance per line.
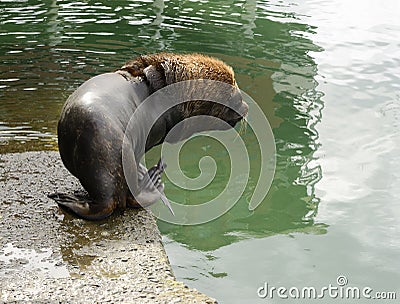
(181,67)
(163,69)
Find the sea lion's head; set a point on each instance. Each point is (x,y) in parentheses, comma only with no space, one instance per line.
(163,69)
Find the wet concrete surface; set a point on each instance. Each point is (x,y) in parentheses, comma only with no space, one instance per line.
(49,256)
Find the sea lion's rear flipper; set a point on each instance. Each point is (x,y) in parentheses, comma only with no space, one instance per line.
(80,205)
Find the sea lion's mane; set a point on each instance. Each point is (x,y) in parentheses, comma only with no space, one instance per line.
(162,69)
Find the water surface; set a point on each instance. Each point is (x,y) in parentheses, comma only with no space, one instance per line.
(325,73)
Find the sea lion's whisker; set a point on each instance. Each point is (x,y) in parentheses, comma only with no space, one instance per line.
(243,126)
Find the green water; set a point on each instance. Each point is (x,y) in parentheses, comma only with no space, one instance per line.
(325,73)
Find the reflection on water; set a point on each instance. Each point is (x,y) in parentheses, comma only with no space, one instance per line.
(283,85)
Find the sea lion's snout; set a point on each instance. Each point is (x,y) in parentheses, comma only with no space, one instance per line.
(238,104)
(243,109)
(238,109)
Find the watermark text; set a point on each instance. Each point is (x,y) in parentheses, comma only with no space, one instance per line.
(339,290)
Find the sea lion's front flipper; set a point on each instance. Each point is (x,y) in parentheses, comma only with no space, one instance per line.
(81,206)
(151,186)
(155,176)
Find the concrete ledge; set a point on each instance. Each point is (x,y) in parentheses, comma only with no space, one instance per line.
(46,256)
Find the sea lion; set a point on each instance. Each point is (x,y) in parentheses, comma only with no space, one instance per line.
(94,119)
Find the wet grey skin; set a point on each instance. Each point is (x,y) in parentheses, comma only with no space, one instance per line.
(90,139)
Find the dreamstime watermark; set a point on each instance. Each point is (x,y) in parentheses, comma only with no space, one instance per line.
(151,113)
(340,290)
